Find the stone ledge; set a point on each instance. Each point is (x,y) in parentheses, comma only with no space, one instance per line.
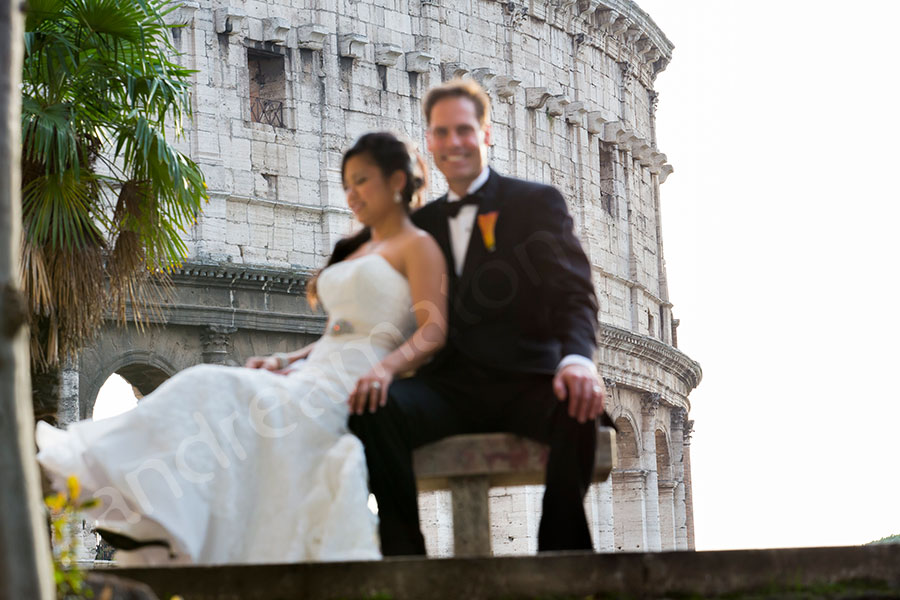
(254,310)
(633,12)
(285,281)
(760,573)
(643,347)
(240,318)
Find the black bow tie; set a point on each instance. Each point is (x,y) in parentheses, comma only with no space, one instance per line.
(453,208)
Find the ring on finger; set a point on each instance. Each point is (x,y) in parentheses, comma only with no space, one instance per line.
(376,385)
(597,389)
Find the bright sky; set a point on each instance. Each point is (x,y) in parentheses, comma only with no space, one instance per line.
(780,118)
(115,397)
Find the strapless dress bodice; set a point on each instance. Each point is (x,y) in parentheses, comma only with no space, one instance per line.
(366,297)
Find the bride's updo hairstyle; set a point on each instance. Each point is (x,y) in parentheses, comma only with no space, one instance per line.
(390,153)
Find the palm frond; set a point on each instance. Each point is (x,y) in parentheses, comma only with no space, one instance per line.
(101,88)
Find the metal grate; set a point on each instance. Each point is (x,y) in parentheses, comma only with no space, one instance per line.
(270,112)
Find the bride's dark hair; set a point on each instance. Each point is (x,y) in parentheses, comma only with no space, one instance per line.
(390,153)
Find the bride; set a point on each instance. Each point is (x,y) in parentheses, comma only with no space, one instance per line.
(239,465)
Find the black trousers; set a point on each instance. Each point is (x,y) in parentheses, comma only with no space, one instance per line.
(462,397)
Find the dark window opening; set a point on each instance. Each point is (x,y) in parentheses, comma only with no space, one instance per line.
(267,88)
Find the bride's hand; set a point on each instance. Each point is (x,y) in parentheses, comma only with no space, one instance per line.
(371,390)
(269,363)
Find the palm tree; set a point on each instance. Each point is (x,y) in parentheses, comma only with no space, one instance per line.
(105,195)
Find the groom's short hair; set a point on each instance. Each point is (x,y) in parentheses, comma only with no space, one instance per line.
(459,88)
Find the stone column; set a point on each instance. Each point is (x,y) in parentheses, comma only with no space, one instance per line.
(336,217)
(626,173)
(626,98)
(667,513)
(604,531)
(688,493)
(69,410)
(677,428)
(629,511)
(216,341)
(428,37)
(654,103)
(25,569)
(649,408)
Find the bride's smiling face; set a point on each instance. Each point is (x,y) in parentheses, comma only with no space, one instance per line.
(370,195)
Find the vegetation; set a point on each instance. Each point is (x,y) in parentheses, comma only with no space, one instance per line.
(64,519)
(891,539)
(106,196)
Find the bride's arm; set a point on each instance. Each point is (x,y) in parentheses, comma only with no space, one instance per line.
(426,271)
(279,360)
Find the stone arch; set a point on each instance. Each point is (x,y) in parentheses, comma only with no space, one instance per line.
(663,455)
(143,369)
(666,490)
(628,481)
(619,413)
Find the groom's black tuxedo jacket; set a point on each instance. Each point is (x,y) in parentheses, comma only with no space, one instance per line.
(528,301)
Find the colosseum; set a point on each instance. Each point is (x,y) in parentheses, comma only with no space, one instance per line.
(283,86)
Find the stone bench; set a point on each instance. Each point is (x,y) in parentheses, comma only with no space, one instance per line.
(469,465)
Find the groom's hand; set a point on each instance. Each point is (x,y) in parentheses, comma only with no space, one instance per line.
(584,390)
(371,390)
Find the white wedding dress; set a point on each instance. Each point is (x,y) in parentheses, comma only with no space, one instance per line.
(235,465)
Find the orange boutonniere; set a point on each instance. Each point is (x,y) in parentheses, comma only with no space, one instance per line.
(486,223)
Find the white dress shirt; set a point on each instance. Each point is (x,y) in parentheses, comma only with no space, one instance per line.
(463,223)
(461,227)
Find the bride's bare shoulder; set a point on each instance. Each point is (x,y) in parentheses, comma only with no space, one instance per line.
(419,240)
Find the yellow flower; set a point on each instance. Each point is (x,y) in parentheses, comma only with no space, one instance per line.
(74,487)
(487,222)
(55,502)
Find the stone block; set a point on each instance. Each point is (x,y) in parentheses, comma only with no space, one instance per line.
(453,70)
(229,20)
(311,36)
(387,55)
(418,62)
(283,238)
(288,189)
(505,86)
(254,26)
(484,76)
(237,233)
(254,256)
(261,214)
(352,45)
(243,182)
(261,236)
(277,257)
(536,97)
(304,242)
(556,105)
(575,113)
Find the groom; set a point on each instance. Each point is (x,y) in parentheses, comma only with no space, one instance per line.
(522,319)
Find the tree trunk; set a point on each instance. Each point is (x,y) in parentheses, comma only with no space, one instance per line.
(25,565)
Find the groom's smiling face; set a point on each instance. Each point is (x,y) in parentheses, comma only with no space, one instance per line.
(458,141)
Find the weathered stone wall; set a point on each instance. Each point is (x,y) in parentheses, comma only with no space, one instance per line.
(572,106)
(282,88)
